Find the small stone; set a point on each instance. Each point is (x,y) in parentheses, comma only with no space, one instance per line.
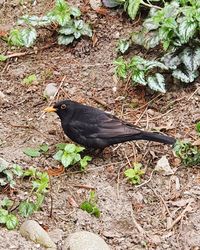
(50,90)
(95,4)
(30,229)
(163,166)
(84,240)
(56,235)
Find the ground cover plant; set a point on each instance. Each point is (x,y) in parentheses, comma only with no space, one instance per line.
(175,27)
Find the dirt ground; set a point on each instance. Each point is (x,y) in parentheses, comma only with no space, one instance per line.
(131,217)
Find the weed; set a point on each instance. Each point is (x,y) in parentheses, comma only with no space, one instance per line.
(90,205)
(134,174)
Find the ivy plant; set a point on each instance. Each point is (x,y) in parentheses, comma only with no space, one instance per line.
(176,28)
(64,18)
(69,154)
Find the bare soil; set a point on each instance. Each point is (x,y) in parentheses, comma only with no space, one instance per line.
(131,217)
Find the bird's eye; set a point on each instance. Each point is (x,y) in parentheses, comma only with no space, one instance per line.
(63,106)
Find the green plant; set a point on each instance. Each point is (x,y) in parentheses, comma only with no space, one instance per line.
(130,6)
(9,173)
(198,127)
(27,206)
(176,27)
(64,18)
(90,205)
(35,152)
(29,79)
(189,154)
(134,174)
(141,72)
(69,154)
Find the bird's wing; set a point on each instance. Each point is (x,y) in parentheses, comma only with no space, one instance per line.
(102,125)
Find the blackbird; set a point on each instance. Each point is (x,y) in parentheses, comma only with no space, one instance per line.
(96,129)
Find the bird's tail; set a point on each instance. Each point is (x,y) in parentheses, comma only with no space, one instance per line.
(150,136)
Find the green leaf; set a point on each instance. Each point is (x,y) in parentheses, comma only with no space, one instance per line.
(60,146)
(15,38)
(191,58)
(30,79)
(84,162)
(66,160)
(3,215)
(123,46)
(58,155)
(78,24)
(26,208)
(90,208)
(17,170)
(157,82)
(79,149)
(6,202)
(185,75)
(66,30)
(187,29)
(9,174)
(65,40)
(44,147)
(30,172)
(133,6)
(171,60)
(31,152)
(75,11)
(86,30)
(70,148)
(139,77)
(61,13)
(198,127)
(3,164)
(11,221)
(3,182)
(39,201)
(150,24)
(34,20)
(121,67)
(77,34)
(3,58)
(28,36)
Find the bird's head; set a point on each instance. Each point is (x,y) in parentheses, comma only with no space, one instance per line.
(62,108)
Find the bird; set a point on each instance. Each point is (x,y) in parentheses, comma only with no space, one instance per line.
(96,129)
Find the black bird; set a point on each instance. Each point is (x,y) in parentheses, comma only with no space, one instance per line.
(96,129)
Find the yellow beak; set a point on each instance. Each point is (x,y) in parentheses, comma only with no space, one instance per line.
(50,109)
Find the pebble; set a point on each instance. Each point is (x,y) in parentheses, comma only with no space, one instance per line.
(56,235)
(95,4)
(30,229)
(50,90)
(84,240)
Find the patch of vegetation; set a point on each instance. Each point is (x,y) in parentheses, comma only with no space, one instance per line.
(198,127)
(134,174)
(90,205)
(35,152)
(69,154)
(62,19)
(130,6)
(30,79)
(27,206)
(189,154)
(175,27)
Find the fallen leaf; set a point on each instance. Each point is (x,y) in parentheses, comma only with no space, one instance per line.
(72,202)
(94,40)
(163,166)
(56,171)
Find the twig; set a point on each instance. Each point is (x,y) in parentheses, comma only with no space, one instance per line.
(144,183)
(83,186)
(18,54)
(139,228)
(193,94)
(187,209)
(141,115)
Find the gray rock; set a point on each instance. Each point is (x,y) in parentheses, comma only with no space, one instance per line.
(50,90)
(33,231)
(95,4)
(84,240)
(56,235)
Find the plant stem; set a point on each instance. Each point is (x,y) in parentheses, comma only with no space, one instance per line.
(151,6)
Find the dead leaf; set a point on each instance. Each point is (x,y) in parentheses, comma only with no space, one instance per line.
(94,40)
(56,171)
(163,166)
(196,143)
(72,202)
(102,11)
(182,203)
